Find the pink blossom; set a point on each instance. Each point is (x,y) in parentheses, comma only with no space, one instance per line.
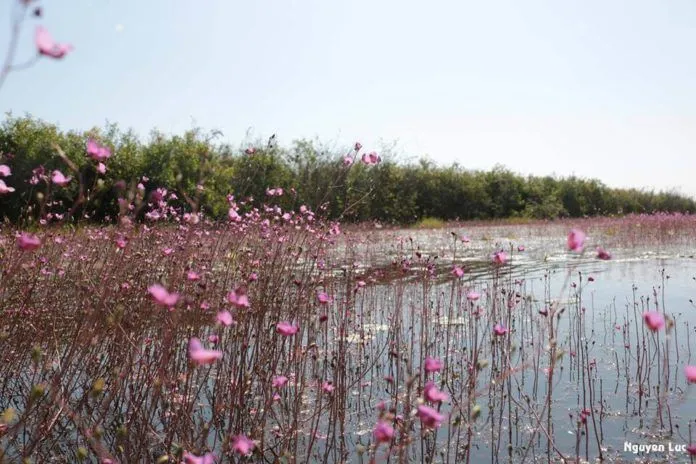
(473,296)
(279,381)
(59,179)
(371,158)
(224,318)
(121,242)
(99,152)
(286,329)
(383,432)
(432,365)
(690,373)
(5,170)
(238,297)
(520,248)
(500,258)
(357,146)
(323,298)
(654,320)
(576,240)
(458,271)
(499,330)
(162,296)
(47,46)
(208,458)
(233,215)
(242,445)
(327,387)
(193,275)
(274,192)
(603,254)
(101,168)
(429,416)
(200,355)
(432,394)
(347,161)
(28,242)
(4,188)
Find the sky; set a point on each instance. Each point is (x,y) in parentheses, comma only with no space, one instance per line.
(592,88)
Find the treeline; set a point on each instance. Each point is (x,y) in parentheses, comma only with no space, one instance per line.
(201,171)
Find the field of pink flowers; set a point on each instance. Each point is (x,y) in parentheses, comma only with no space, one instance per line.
(274,338)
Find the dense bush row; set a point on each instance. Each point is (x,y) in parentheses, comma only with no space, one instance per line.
(202,171)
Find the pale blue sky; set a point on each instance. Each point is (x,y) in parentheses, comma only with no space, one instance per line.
(602,89)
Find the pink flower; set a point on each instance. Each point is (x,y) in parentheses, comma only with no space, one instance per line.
(371,158)
(28,242)
(274,192)
(520,248)
(500,258)
(458,271)
(59,179)
(327,387)
(192,275)
(200,355)
(47,46)
(224,318)
(432,394)
(429,416)
(253,277)
(250,151)
(208,458)
(162,296)
(357,146)
(465,239)
(121,242)
(576,240)
(279,381)
(432,365)
(286,329)
(473,296)
(238,297)
(233,215)
(654,320)
(4,188)
(242,445)
(101,168)
(347,161)
(499,330)
(383,432)
(5,170)
(690,373)
(323,298)
(99,152)
(603,254)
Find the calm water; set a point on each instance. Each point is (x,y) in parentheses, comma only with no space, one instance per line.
(637,278)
